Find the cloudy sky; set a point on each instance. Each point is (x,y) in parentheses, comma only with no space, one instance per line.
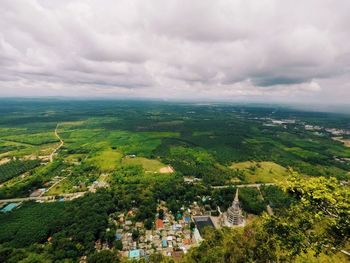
(261,50)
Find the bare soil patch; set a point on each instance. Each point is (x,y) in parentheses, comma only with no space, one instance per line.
(4,160)
(346,142)
(166,170)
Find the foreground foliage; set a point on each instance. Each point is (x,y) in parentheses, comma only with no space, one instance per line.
(315,224)
(318,222)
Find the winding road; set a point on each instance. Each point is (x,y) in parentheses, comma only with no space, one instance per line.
(59,146)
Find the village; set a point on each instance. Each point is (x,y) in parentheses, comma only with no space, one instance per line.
(171,235)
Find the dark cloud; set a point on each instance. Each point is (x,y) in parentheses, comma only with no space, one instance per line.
(273,81)
(224,49)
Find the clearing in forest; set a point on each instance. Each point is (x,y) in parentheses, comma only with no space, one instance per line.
(346,142)
(261,172)
(149,165)
(107,160)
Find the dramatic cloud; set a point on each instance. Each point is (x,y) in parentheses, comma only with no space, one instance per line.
(266,50)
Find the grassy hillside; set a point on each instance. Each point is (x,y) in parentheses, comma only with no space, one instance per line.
(147,164)
(261,172)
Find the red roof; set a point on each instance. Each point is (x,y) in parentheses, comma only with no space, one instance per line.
(186,241)
(159,224)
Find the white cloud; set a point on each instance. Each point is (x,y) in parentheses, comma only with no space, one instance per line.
(201,49)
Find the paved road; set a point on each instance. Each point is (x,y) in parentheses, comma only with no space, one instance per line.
(242,185)
(58,147)
(42,198)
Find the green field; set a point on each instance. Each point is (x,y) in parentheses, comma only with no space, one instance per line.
(106,160)
(121,154)
(147,164)
(261,172)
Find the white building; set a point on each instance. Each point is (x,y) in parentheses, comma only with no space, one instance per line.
(234,216)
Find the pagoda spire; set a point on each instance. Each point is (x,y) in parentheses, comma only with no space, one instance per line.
(236,197)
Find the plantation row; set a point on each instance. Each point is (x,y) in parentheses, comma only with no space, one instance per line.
(15,168)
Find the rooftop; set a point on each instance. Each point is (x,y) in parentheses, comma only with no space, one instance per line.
(159,224)
(135,253)
(9,207)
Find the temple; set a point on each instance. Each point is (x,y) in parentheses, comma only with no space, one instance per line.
(234,216)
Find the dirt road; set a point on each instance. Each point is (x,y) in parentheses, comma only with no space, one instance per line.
(59,146)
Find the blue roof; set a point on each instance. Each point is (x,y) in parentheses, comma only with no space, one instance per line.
(9,207)
(187,219)
(164,243)
(134,253)
(118,236)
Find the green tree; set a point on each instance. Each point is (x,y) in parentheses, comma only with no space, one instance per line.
(149,224)
(135,234)
(319,220)
(105,256)
(161,214)
(118,245)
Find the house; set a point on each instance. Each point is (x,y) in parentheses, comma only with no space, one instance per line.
(9,207)
(186,241)
(37,192)
(159,224)
(97,184)
(164,243)
(136,253)
(139,224)
(177,227)
(128,223)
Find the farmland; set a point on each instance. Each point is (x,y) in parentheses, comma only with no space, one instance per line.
(216,143)
(134,155)
(15,168)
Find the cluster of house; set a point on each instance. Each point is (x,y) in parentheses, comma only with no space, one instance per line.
(172,235)
(313,127)
(169,237)
(96,185)
(333,131)
(337,132)
(269,122)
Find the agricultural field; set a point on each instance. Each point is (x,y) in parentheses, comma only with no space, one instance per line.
(12,169)
(217,143)
(131,155)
